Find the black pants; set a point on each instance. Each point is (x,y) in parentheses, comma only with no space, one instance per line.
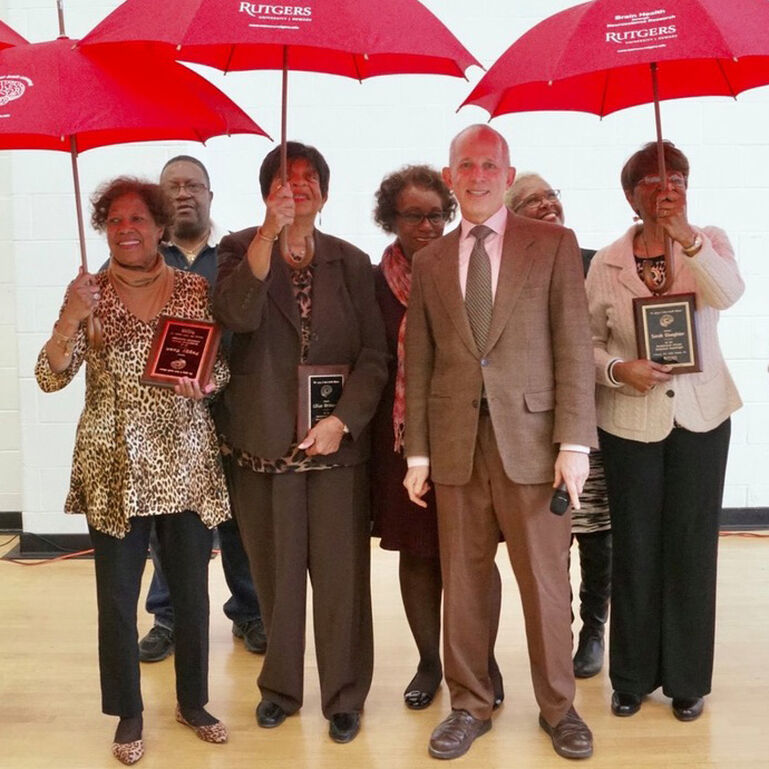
(185,552)
(665,501)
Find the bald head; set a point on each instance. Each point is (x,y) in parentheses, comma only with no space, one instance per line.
(483,132)
(479,172)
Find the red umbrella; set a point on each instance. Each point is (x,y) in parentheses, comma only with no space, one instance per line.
(60,97)
(8,38)
(597,57)
(341,37)
(604,56)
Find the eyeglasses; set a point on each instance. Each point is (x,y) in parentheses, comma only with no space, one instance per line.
(535,201)
(417,217)
(194,188)
(654,180)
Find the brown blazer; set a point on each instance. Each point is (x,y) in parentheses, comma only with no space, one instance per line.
(260,404)
(537,368)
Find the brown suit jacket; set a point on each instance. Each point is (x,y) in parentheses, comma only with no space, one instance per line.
(260,403)
(537,369)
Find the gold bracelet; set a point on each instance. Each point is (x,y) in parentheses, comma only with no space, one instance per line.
(65,343)
(264,237)
(694,247)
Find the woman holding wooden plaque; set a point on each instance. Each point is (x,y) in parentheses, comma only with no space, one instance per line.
(144,455)
(309,361)
(664,400)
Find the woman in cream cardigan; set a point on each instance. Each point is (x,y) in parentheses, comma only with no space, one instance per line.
(665,438)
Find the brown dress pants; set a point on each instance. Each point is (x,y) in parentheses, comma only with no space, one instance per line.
(316,523)
(470,518)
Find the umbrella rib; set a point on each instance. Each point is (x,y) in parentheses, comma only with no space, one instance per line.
(357,68)
(726,79)
(604,93)
(230,57)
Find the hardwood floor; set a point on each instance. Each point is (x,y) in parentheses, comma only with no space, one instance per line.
(50,714)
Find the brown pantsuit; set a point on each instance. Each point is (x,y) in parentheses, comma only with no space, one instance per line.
(470,518)
(316,522)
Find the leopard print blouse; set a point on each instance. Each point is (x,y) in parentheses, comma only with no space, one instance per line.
(139,450)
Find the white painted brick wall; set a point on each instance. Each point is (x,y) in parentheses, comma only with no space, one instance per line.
(366,130)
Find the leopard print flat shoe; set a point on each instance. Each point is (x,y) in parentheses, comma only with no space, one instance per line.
(216,732)
(128,752)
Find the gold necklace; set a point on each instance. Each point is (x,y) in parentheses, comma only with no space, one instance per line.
(191,253)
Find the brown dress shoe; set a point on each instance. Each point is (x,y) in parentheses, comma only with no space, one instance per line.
(455,734)
(571,736)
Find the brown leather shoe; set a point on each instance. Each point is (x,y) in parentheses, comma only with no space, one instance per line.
(455,734)
(571,736)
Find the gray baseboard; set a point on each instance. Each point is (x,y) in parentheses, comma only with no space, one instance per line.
(744,518)
(32,546)
(10,522)
(50,545)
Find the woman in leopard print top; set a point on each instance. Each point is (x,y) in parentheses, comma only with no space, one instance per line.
(143,455)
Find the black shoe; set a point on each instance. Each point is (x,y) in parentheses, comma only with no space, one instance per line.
(157,644)
(625,704)
(588,660)
(344,727)
(688,708)
(252,633)
(269,714)
(497,684)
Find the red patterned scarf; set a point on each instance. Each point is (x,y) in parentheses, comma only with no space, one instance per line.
(397,272)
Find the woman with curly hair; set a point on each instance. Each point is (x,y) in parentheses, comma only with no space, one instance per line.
(413,204)
(143,455)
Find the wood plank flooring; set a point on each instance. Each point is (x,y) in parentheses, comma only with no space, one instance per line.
(50,715)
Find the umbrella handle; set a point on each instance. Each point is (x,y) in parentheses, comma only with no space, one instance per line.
(309,241)
(285,251)
(663,176)
(94,329)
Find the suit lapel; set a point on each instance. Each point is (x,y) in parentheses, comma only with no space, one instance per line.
(446,277)
(513,271)
(280,290)
(326,280)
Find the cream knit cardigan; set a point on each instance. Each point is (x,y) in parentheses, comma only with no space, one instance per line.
(697,402)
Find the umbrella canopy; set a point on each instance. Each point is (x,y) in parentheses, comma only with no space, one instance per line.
(340,37)
(596,57)
(600,57)
(8,37)
(61,97)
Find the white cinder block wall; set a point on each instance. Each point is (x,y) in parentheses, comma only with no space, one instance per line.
(365,131)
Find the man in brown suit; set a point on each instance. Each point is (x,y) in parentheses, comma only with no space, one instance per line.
(499,409)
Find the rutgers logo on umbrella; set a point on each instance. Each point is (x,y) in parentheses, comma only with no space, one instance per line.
(12,87)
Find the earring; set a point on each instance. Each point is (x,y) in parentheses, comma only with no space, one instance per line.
(320,218)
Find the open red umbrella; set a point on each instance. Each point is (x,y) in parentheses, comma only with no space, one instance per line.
(60,97)
(606,55)
(597,57)
(8,38)
(341,37)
